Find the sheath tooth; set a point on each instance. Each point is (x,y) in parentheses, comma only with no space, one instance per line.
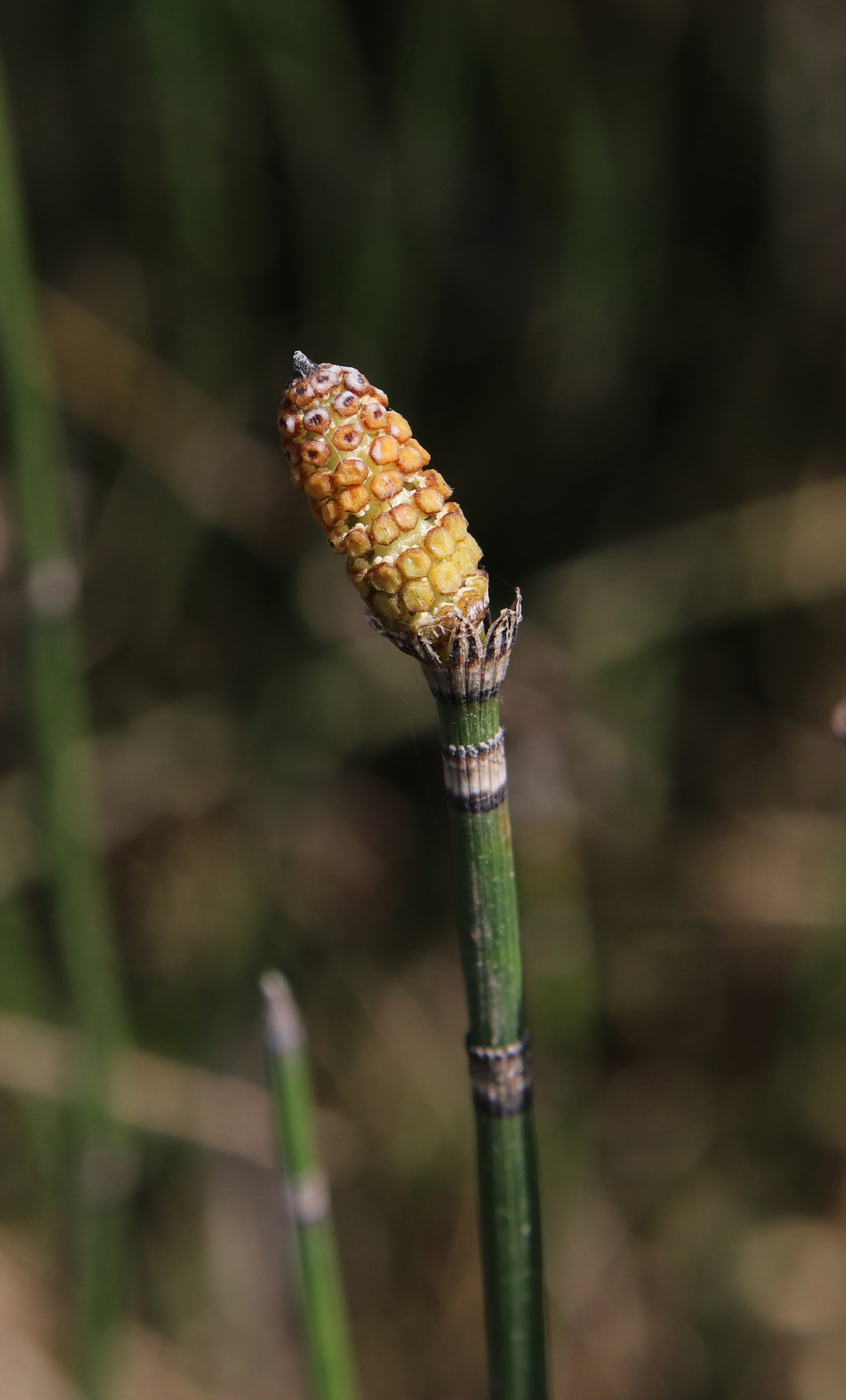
(475,775)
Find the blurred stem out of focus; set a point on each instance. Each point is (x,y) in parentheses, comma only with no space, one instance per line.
(65,790)
(322,1306)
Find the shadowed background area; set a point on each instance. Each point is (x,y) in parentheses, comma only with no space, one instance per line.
(596,253)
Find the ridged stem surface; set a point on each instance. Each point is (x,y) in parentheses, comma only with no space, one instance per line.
(322,1304)
(65,782)
(489,936)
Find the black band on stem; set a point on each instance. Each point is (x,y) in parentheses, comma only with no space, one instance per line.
(475,775)
(501,1079)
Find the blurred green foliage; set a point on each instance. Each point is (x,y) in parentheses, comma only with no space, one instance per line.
(595,253)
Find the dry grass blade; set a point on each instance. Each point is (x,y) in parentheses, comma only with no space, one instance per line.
(220,1112)
(785,550)
(225,476)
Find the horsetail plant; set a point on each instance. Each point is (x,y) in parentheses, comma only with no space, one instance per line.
(306,1190)
(410,556)
(65,781)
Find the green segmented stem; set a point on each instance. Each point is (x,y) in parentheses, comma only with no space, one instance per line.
(509,1206)
(65,782)
(321,1294)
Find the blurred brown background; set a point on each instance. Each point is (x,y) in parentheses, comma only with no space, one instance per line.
(596,252)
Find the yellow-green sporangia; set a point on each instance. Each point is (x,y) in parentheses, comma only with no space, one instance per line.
(371,488)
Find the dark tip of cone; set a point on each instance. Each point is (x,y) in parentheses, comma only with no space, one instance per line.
(303,366)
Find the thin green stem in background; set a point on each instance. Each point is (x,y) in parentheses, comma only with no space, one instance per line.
(60,729)
(489,937)
(321,1293)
